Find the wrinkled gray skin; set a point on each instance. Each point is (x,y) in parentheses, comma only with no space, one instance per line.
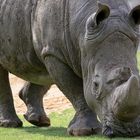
(87,49)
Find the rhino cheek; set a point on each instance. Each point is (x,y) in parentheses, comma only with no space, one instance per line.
(92,102)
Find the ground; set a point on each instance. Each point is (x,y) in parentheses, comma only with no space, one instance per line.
(54,100)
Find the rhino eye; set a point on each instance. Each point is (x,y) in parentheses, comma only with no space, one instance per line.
(95,89)
(96,81)
(95,85)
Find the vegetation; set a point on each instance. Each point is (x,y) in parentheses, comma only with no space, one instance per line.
(138,59)
(57,131)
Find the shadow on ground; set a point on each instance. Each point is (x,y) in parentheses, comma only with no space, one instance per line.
(62,132)
(50,131)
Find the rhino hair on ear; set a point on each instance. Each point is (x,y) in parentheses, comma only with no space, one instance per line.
(135,15)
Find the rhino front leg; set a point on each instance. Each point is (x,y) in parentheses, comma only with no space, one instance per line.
(32,95)
(85,121)
(8,117)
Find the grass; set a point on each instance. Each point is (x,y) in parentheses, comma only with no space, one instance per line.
(57,131)
(138,59)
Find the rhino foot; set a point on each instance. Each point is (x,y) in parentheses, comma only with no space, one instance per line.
(37,119)
(11,123)
(84,124)
(35,113)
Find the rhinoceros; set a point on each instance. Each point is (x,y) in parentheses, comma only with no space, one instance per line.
(87,48)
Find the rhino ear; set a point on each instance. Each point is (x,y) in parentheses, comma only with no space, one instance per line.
(102,13)
(135,15)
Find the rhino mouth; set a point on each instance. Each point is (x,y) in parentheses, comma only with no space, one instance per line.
(116,128)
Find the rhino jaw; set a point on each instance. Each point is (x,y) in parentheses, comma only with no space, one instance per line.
(126,100)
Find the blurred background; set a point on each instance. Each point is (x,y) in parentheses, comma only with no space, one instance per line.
(54,100)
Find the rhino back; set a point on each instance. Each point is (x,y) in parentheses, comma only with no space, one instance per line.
(17,54)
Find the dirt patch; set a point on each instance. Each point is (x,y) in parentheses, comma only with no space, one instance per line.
(54,100)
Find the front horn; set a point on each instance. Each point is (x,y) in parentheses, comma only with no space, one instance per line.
(126,100)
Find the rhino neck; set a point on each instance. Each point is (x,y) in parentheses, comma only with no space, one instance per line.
(79,12)
(75,17)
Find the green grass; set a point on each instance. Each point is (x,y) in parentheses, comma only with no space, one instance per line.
(57,131)
(138,59)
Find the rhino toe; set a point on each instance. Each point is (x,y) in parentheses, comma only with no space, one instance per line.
(38,120)
(11,123)
(83,131)
(84,124)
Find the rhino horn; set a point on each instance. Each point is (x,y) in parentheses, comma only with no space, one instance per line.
(126,100)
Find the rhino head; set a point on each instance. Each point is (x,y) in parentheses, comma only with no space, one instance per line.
(109,66)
